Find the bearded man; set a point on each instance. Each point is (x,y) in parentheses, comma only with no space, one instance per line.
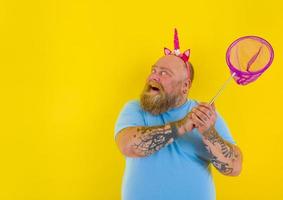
(170,141)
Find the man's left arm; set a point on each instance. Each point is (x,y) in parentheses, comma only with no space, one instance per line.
(226,157)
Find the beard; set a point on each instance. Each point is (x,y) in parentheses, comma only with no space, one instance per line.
(156,101)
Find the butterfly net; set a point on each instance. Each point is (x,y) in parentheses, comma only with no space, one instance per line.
(248,57)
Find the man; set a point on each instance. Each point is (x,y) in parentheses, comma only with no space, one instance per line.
(169,141)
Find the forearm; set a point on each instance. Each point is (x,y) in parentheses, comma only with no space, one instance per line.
(144,141)
(225,157)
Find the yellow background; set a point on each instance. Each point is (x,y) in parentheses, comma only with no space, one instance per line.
(68,67)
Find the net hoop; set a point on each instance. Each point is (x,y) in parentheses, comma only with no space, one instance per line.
(244,77)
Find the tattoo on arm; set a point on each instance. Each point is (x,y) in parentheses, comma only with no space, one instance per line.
(221,166)
(151,139)
(222,153)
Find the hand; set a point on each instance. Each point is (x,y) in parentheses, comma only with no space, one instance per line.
(185,125)
(203,116)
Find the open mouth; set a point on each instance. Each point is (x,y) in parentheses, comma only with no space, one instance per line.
(154,88)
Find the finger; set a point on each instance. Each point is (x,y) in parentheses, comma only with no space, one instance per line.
(209,113)
(196,120)
(211,110)
(207,106)
(212,106)
(201,115)
(205,111)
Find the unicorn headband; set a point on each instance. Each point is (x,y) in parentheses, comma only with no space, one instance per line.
(184,56)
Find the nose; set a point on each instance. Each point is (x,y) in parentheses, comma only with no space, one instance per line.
(154,77)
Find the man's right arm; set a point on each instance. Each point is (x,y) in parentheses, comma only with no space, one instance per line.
(141,141)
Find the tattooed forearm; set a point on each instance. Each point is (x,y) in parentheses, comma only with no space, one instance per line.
(151,139)
(223,154)
(221,166)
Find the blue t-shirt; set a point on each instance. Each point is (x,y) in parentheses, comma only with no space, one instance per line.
(179,171)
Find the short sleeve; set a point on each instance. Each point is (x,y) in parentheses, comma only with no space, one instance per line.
(130,115)
(223,130)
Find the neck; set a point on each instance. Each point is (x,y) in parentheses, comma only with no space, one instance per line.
(181,101)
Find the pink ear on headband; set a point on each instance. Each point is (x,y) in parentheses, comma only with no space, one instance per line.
(184,56)
(167,51)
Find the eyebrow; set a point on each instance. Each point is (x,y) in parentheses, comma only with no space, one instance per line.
(164,68)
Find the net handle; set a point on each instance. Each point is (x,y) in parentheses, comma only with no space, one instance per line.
(222,88)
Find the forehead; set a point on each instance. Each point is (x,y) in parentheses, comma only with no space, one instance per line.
(171,62)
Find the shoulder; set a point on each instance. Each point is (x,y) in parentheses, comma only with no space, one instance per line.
(130,115)
(132,108)
(133,102)
(132,105)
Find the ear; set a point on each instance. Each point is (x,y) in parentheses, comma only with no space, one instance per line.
(187,53)
(189,83)
(167,51)
(187,86)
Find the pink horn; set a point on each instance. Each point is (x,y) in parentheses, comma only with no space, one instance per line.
(176,40)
